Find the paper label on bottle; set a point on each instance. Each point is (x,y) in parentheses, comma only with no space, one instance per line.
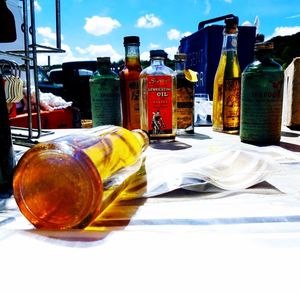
(261,107)
(231,103)
(160,104)
(132,89)
(185,103)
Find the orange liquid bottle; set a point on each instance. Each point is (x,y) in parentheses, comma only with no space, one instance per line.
(129,82)
(59,184)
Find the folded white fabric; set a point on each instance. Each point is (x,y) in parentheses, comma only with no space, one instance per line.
(238,167)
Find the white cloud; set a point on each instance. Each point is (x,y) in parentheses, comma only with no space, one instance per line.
(174,34)
(148,21)
(94,51)
(145,55)
(284,31)
(294,16)
(247,23)
(46,32)
(186,34)
(98,26)
(171,51)
(228,1)
(37,6)
(207,7)
(154,46)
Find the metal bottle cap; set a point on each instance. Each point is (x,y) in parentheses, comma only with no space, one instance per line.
(131,40)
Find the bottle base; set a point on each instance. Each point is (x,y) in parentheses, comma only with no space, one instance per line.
(162,139)
(260,143)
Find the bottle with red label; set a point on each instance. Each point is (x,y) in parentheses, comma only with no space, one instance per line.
(158,98)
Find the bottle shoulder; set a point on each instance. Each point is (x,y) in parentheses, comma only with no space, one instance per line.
(104,75)
(157,70)
(268,65)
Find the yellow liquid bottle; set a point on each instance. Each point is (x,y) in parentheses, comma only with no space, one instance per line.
(59,184)
(227,83)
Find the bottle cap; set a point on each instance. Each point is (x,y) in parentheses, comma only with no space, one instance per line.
(231,22)
(180,56)
(268,46)
(158,53)
(103,59)
(131,40)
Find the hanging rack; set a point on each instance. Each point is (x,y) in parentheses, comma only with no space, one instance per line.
(29,55)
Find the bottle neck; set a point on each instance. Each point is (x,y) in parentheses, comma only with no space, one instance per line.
(180,65)
(157,61)
(229,40)
(104,68)
(132,52)
(263,55)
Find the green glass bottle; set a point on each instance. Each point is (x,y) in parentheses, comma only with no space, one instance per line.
(105,95)
(261,98)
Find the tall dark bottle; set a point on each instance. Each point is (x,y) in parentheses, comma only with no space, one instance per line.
(7,160)
(129,81)
(105,94)
(261,98)
(227,83)
(185,90)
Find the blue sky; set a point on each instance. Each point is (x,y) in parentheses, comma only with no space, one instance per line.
(92,28)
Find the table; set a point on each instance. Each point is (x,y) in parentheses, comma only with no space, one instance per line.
(245,241)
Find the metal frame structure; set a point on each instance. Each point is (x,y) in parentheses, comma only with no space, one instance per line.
(29,55)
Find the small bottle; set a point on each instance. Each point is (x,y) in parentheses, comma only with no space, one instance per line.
(60,184)
(158,99)
(105,94)
(7,158)
(129,81)
(227,83)
(185,92)
(261,98)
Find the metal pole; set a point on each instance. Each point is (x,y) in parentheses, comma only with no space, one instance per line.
(58,24)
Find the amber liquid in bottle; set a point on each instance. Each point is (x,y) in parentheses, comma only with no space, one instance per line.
(129,81)
(59,184)
(227,86)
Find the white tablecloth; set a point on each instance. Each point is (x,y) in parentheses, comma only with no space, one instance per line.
(241,241)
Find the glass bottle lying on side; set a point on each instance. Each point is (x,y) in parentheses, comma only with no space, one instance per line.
(59,184)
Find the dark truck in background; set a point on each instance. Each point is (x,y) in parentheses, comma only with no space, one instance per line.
(71,82)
